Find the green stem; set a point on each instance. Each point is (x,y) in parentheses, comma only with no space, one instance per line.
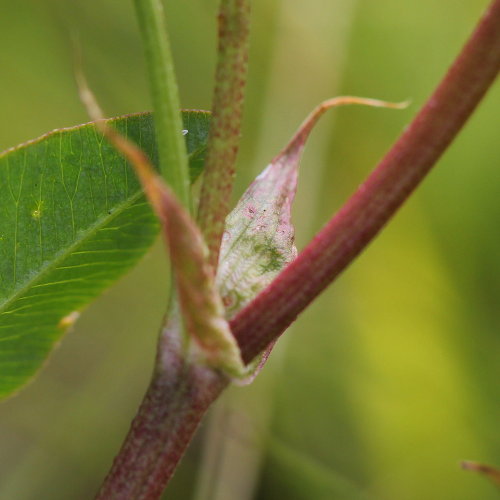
(168,122)
(223,142)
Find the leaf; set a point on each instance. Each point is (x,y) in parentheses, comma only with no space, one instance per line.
(258,240)
(258,237)
(73,219)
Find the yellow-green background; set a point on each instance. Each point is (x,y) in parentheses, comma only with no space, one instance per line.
(391,378)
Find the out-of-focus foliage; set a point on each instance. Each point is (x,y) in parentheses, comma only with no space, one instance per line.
(389,379)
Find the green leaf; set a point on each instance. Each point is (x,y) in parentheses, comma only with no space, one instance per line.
(73,219)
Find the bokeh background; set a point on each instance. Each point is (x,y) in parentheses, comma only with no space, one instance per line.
(391,377)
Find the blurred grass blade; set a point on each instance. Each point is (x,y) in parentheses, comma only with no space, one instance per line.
(302,476)
(72,220)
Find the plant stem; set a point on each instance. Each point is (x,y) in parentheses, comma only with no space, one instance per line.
(181,390)
(380,196)
(178,396)
(224,137)
(160,434)
(168,122)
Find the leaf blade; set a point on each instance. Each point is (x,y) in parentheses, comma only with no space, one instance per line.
(73,219)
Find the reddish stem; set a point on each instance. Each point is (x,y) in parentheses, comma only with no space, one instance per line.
(380,196)
(177,398)
(181,391)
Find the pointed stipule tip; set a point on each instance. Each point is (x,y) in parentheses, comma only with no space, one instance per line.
(87,97)
(468,465)
(300,137)
(490,472)
(363,101)
(401,105)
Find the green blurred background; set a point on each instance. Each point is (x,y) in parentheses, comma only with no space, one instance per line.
(391,377)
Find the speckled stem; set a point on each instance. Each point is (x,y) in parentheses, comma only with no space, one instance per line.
(223,141)
(178,396)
